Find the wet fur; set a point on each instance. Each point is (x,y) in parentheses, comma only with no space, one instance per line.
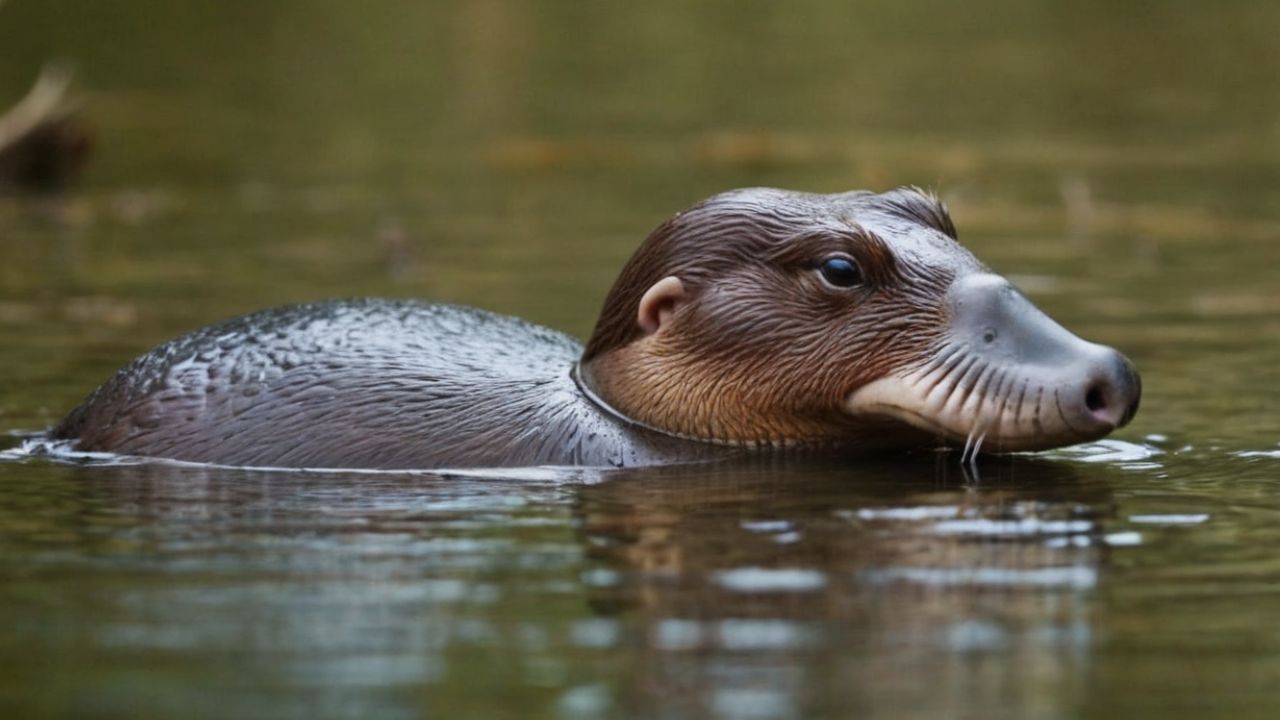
(764,352)
(363,383)
(761,353)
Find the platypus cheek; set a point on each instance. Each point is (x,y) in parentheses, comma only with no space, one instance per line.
(1007,372)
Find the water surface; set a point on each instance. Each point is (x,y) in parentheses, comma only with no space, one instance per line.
(1120,164)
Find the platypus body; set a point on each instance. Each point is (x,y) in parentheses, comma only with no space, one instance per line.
(366,384)
(757,320)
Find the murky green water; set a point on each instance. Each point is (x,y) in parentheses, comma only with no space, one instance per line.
(1120,163)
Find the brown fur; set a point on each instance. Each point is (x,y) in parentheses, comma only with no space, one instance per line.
(763,350)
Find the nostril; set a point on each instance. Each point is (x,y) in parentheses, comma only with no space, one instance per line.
(1113,392)
(1096,398)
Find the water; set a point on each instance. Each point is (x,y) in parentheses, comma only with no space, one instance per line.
(1118,163)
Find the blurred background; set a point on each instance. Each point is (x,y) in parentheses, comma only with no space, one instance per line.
(1119,161)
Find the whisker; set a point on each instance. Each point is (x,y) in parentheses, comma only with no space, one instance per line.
(1022,395)
(977,366)
(954,375)
(1000,416)
(942,365)
(973,458)
(981,385)
(948,356)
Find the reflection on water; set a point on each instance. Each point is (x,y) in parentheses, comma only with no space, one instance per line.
(767,588)
(1119,163)
(733,589)
(191,581)
(835,588)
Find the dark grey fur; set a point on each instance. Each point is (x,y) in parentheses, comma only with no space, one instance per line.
(364,384)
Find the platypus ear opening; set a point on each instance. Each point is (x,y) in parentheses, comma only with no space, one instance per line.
(659,302)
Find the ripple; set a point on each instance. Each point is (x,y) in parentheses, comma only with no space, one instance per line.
(1070,576)
(1132,456)
(752,634)
(926,512)
(585,701)
(751,703)
(1246,454)
(756,579)
(766,526)
(64,451)
(1026,527)
(1184,519)
(734,634)
(595,633)
(973,635)
(600,577)
(1123,539)
(1068,541)
(673,634)
(780,531)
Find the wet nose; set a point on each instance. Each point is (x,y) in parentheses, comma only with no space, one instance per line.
(1094,389)
(1114,390)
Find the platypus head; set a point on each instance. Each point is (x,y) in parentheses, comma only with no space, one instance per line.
(765,316)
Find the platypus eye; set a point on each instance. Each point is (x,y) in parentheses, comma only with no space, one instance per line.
(840,272)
